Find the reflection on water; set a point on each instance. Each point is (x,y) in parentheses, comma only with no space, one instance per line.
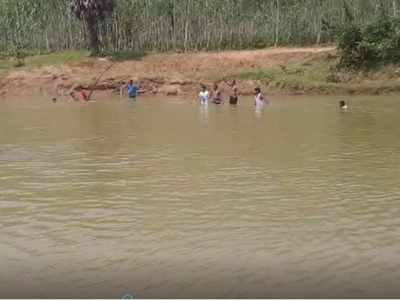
(258,109)
(115,197)
(204,112)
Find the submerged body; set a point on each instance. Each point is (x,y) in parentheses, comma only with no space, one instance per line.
(259,98)
(234,96)
(343,105)
(234,99)
(79,93)
(204,95)
(132,90)
(217,97)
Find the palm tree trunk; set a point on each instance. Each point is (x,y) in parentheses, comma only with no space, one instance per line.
(93,32)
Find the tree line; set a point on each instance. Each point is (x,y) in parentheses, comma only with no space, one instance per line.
(164,25)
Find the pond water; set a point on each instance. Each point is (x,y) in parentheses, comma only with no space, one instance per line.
(162,198)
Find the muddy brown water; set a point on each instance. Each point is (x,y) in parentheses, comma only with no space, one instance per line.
(163,198)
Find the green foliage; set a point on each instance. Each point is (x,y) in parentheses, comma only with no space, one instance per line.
(376,43)
(93,12)
(18,53)
(165,25)
(84,9)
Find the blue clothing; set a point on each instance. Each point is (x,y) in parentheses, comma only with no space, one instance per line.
(132,90)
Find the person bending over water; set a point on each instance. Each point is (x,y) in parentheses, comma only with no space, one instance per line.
(79,93)
(204,95)
(217,98)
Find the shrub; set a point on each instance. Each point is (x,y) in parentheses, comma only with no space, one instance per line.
(377,43)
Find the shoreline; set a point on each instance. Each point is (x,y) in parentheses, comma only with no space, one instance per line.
(278,71)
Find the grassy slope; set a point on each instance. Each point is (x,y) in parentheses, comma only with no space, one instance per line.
(8,64)
(315,74)
(319,75)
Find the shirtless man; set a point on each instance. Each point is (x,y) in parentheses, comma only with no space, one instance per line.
(234,97)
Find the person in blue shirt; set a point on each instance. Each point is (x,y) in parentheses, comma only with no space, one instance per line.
(132,89)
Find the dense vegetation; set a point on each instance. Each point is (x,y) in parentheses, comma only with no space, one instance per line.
(371,45)
(92,13)
(45,26)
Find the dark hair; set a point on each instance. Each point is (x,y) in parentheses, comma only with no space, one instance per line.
(342,103)
(257,89)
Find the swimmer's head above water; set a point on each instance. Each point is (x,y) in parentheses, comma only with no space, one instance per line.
(343,104)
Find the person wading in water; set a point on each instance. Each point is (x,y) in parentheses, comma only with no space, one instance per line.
(234,96)
(204,95)
(259,98)
(132,89)
(217,96)
(79,93)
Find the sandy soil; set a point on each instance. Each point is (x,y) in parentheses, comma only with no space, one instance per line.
(167,74)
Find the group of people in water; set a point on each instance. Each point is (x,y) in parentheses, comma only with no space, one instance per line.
(216,96)
(205,96)
(79,93)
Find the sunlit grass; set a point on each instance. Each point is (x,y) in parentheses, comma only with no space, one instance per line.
(72,56)
(305,72)
(8,63)
(321,76)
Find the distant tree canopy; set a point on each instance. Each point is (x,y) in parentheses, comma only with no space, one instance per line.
(164,25)
(92,12)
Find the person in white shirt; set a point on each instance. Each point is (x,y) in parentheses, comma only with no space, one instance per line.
(259,99)
(204,95)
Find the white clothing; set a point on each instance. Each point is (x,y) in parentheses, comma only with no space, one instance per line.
(204,96)
(259,100)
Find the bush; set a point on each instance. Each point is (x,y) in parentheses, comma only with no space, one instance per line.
(17,51)
(377,43)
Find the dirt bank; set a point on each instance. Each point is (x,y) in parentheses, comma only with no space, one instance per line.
(281,70)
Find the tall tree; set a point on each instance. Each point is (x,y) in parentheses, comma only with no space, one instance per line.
(92,12)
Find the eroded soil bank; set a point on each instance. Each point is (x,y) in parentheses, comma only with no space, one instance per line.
(278,70)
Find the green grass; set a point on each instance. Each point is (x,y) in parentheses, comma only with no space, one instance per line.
(127,55)
(5,65)
(57,58)
(73,56)
(319,75)
(310,73)
(8,63)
